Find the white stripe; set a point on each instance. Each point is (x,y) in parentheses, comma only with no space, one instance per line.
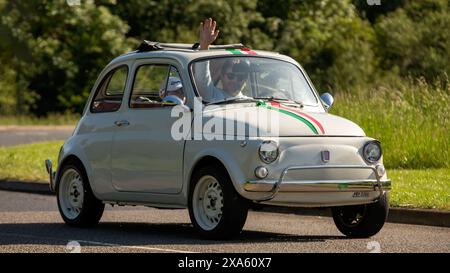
(97,243)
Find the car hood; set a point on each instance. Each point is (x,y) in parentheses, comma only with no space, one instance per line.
(274,119)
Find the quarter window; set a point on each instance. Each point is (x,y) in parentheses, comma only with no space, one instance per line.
(109,94)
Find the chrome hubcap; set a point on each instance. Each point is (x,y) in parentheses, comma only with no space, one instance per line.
(71,193)
(208,202)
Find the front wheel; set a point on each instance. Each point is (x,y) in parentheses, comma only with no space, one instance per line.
(216,210)
(76,203)
(362,221)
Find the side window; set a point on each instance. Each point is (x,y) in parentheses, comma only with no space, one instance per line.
(109,94)
(153,83)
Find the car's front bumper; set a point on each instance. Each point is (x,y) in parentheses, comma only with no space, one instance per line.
(327,187)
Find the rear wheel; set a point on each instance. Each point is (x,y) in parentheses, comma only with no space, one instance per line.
(216,210)
(362,221)
(76,203)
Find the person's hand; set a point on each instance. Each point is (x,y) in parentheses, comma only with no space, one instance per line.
(208,33)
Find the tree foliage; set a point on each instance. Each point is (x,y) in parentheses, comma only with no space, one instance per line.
(58,50)
(52,53)
(415,40)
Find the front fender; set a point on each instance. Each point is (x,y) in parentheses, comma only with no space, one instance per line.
(239,160)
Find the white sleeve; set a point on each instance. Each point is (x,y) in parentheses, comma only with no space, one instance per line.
(203,80)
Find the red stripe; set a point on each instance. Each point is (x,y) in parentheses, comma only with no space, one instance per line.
(277,104)
(247,50)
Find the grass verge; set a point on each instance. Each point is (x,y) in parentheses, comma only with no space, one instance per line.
(429,189)
(26,162)
(412,121)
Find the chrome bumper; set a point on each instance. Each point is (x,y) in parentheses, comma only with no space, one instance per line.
(51,173)
(362,185)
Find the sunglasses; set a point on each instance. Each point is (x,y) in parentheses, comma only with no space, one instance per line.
(239,76)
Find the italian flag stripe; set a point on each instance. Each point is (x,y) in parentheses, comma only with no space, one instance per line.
(277,104)
(305,121)
(242,51)
(234,51)
(248,51)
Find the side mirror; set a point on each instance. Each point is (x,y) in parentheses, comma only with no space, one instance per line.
(173,100)
(327,100)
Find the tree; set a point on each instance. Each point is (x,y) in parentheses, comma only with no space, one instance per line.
(59,49)
(414,42)
(178,20)
(332,42)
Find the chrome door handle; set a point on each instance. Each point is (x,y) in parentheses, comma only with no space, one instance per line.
(120,123)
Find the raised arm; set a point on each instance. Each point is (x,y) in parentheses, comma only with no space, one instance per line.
(208,33)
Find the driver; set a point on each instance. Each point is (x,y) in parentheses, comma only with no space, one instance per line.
(234,72)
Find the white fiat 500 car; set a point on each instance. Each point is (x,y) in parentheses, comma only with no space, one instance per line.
(215,131)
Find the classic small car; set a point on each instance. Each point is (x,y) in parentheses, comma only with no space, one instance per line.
(172,126)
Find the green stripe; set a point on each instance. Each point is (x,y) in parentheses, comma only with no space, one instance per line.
(234,51)
(290,114)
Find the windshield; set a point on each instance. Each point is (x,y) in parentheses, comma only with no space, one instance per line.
(230,78)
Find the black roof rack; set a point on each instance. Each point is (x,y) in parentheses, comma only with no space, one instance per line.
(153,46)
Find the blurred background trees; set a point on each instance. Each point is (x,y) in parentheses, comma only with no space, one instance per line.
(51,53)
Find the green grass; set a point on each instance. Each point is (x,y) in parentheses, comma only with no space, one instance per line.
(412,121)
(26,162)
(411,188)
(429,189)
(51,119)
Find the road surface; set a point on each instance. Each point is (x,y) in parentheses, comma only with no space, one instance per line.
(15,135)
(31,223)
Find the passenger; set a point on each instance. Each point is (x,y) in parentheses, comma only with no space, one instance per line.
(174,88)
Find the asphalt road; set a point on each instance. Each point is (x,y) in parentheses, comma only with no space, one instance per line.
(14,135)
(31,223)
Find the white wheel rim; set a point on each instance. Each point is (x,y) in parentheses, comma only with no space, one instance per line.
(71,193)
(207,202)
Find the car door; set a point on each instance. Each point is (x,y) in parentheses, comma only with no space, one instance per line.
(145,157)
(97,125)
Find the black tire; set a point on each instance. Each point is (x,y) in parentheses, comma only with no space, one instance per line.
(234,210)
(362,221)
(91,210)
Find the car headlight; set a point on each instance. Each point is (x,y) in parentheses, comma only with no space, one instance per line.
(372,151)
(268,151)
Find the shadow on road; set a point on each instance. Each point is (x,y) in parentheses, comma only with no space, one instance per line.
(135,234)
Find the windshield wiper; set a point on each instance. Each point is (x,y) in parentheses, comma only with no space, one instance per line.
(283,100)
(232,100)
(270,98)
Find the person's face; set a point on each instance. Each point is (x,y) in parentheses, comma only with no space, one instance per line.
(232,82)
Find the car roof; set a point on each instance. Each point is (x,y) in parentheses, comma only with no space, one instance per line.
(185,53)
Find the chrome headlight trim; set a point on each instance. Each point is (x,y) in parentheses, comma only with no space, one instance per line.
(268,151)
(370,153)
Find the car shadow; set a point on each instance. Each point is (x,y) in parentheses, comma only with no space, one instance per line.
(136,234)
